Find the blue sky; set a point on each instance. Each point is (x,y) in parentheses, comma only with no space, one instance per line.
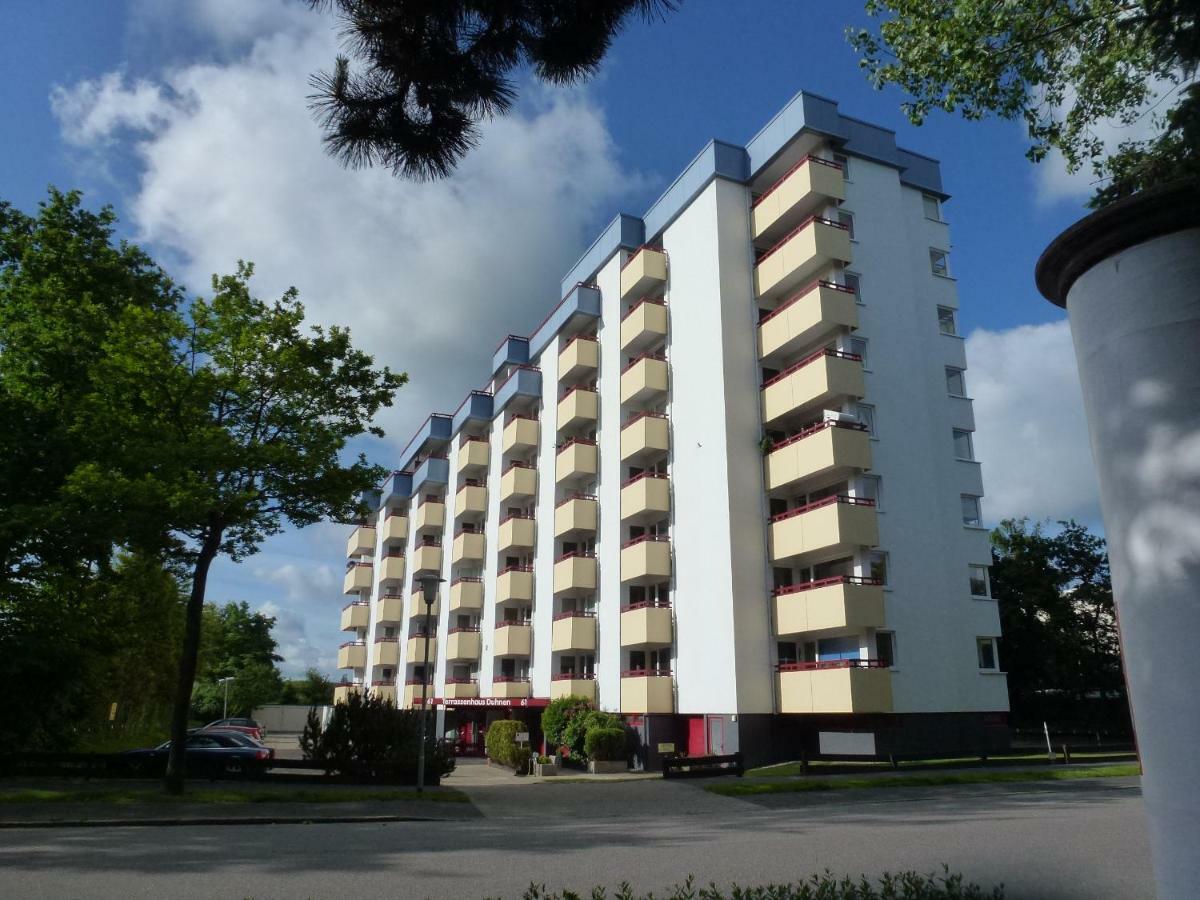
(188,117)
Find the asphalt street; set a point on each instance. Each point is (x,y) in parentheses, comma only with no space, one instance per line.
(1058,841)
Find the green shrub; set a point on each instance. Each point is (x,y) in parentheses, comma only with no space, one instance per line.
(576,730)
(559,714)
(605,743)
(501,745)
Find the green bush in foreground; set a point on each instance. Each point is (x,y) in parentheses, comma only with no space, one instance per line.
(501,746)
(605,743)
(827,886)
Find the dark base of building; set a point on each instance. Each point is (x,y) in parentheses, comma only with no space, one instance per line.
(763,739)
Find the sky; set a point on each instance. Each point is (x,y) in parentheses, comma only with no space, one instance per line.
(189,117)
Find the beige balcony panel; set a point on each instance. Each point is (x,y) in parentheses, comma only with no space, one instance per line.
(518,482)
(644,326)
(415,652)
(837,529)
(647,694)
(648,626)
(468,547)
(815,384)
(355,616)
(646,499)
(385,692)
(353,656)
(342,692)
(520,435)
(514,586)
(827,453)
(646,561)
(579,360)
(391,568)
(386,653)
(358,578)
(466,595)
(574,574)
(645,271)
(462,645)
(395,529)
(427,558)
(644,380)
(574,516)
(512,640)
(647,436)
(461,690)
(511,689)
(836,691)
(573,687)
(430,515)
(516,534)
(389,610)
(808,187)
(576,461)
(801,258)
(816,316)
(473,455)
(574,633)
(847,606)
(412,695)
(361,542)
(471,500)
(577,408)
(416,606)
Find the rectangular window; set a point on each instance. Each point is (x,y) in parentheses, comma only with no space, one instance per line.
(946,320)
(787,652)
(956,382)
(979,581)
(869,489)
(858,346)
(962,445)
(932,207)
(939,262)
(885,648)
(838,648)
(865,413)
(987,653)
(970,510)
(877,560)
(853,281)
(847,219)
(844,162)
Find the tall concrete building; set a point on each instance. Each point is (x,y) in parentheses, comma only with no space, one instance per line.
(726,488)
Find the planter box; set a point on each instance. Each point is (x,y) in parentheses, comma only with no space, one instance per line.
(546,770)
(607,767)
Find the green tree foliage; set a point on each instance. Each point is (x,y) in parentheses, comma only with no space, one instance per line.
(1060,66)
(605,743)
(558,715)
(500,743)
(235,643)
(577,729)
(429,72)
(314,689)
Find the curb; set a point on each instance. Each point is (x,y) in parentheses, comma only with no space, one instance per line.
(230,820)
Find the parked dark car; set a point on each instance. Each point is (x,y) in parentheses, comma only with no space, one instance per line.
(240,736)
(248,726)
(208,753)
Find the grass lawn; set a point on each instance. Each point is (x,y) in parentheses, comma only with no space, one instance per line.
(788,769)
(751,788)
(123,796)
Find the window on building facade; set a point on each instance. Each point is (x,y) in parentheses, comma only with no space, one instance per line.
(865,413)
(979,581)
(853,281)
(947,321)
(870,488)
(859,346)
(963,448)
(846,218)
(877,562)
(986,647)
(933,207)
(885,648)
(956,382)
(844,162)
(970,510)
(939,262)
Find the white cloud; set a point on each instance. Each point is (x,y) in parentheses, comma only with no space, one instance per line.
(1031,432)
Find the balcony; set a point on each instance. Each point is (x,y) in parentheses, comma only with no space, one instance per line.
(830,450)
(645,435)
(835,686)
(644,326)
(646,625)
(385,691)
(416,606)
(358,578)
(647,691)
(431,515)
(515,585)
(645,498)
(462,643)
(828,528)
(576,460)
(815,245)
(391,568)
(342,692)
(466,594)
(387,652)
(579,359)
(810,184)
(468,547)
(427,558)
(571,685)
(415,652)
(352,655)
(644,379)
(395,528)
(516,533)
(817,380)
(389,609)
(473,455)
(646,559)
(512,639)
(356,615)
(520,480)
(510,686)
(643,272)
(524,383)
(578,407)
(816,313)
(844,602)
(520,435)
(471,500)
(461,688)
(575,514)
(413,693)
(574,631)
(361,541)
(575,573)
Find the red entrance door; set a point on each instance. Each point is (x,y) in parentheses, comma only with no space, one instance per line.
(697,740)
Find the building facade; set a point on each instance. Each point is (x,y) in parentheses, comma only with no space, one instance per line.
(726,488)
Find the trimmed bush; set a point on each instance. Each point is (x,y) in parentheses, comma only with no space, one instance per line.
(575,733)
(501,746)
(559,714)
(605,743)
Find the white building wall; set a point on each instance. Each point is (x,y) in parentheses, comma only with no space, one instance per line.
(491,529)
(543,563)
(443,616)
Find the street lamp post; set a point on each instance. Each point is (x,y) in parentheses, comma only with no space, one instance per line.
(429,586)
(225,708)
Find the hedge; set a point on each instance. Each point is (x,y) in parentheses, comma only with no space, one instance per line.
(605,743)
(501,745)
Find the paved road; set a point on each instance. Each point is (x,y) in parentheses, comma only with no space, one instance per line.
(1045,842)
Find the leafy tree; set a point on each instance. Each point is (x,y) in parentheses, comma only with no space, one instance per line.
(557,716)
(1060,66)
(313,690)
(431,71)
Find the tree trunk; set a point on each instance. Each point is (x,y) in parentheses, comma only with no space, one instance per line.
(176,760)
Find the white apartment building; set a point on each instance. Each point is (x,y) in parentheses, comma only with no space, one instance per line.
(726,488)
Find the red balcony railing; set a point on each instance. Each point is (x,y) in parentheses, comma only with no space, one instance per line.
(645,538)
(804,292)
(808,360)
(634,254)
(636,478)
(463,629)
(356,603)
(832,664)
(576,554)
(565,445)
(646,673)
(573,676)
(461,681)
(590,388)
(514,569)
(795,231)
(816,429)
(575,496)
(784,177)
(637,359)
(387,640)
(517,464)
(657,301)
(646,604)
(824,582)
(353,644)
(511,679)
(466,578)
(642,415)
(512,516)
(574,614)
(824,501)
